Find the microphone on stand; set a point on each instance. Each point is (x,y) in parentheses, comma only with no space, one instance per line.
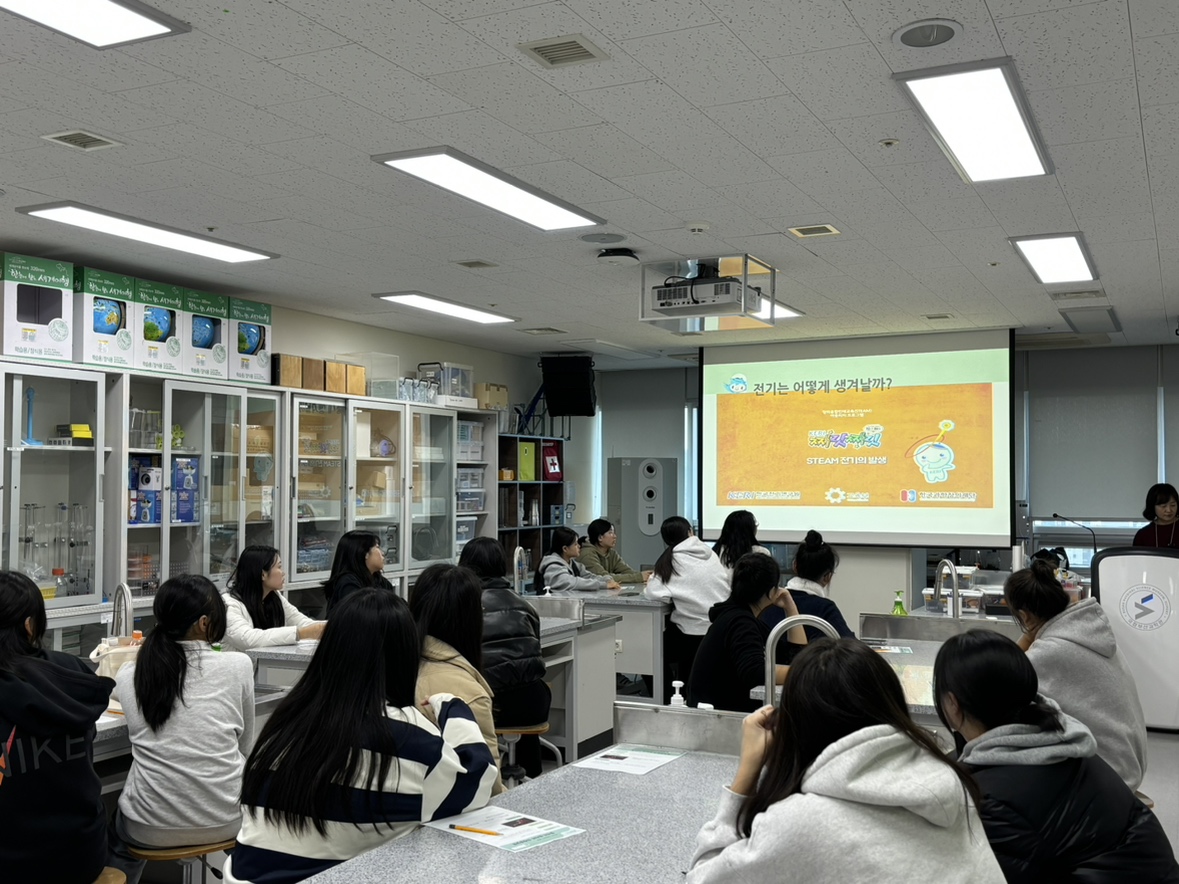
(1079,525)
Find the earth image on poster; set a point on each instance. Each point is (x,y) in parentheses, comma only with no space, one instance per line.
(108,316)
(157,324)
(203,332)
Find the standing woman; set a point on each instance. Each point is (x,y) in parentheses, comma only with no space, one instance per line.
(54,822)
(1162,511)
(839,784)
(357,565)
(600,557)
(692,578)
(738,536)
(447,604)
(814,567)
(512,662)
(559,570)
(190,717)
(257,614)
(1076,656)
(349,760)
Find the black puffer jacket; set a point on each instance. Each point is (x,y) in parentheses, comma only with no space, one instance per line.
(1054,811)
(511,637)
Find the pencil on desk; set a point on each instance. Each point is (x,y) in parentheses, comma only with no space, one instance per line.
(476,831)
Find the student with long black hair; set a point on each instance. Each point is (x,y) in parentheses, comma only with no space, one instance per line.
(190,718)
(738,537)
(690,576)
(1052,809)
(257,614)
(814,567)
(349,760)
(54,823)
(358,563)
(447,604)
(839,784)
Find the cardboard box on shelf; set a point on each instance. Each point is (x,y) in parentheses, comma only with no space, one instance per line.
(249,326)
(286,370)
(103,308)
(38,315)
(204,353)
(314,374)
(335,377)
(492,396)
(356,380)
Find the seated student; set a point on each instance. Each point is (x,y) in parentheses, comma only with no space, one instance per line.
(357,564)
(738,536)
(350,760)
(1052,809)
(839,784)
(512,662)
(732,658)
(447,603)
(1066,640)
(814,566)
(600,557)
(54,823)
(257,615)
(559,570)
(691,577)
(190,718)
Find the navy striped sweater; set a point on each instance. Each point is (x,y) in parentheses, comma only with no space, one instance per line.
(440,771)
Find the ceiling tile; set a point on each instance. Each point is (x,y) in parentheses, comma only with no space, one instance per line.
(918,182)
(569,181)
(1071,115)
(1086,43)
(862,136)
(1009,8)
(952,213)
(774,198)
(633,213)
(774,126)
(852,81)
(262,28)
(513,95)
(716,157)
(772,28)
(1029,205)
(462,9)
(1103,177)
(625,19)
(823,172)
(605,150)
(349,124)
(216,112)
(1158,68)
(977,37)
(1119,228)
(483,136)
(1150,18)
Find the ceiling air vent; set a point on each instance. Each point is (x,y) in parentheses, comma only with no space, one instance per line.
(80,140)
(813,230)
(544,330)
(937,316)
(557,52)
(1076,296)
(476,264)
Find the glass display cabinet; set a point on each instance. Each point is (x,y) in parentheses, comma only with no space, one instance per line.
(377,478)
(318,489)
(54,450)
(432,487)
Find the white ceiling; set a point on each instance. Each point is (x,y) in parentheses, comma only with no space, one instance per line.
(751,115)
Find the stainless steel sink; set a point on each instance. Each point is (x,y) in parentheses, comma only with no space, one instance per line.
(935,629)
(564,607)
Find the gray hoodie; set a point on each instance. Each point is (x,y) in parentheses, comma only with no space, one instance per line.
(1080,667)
(874,808)
(1026,744)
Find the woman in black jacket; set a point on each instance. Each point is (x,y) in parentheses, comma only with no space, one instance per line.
(1052,809)
(512,663)
(357,565)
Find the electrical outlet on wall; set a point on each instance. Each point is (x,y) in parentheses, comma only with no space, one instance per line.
(617,646)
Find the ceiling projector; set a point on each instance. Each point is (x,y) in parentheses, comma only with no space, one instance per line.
(716,296)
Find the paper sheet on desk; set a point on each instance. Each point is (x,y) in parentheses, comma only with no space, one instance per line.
(630,759)
(514,831)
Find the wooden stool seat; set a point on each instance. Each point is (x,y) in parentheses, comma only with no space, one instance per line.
(529,729)
(111,876)
(172,854)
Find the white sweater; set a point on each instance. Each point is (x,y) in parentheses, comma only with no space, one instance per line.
(185,778)
(874,809)
(241,634)
(700,582)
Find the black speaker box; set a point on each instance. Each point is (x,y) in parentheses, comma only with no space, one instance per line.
(569,385)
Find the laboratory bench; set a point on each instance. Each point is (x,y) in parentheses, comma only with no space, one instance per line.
(637,828)
(639,633)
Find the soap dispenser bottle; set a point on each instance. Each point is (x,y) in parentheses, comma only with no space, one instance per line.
(677,699)
(898,606)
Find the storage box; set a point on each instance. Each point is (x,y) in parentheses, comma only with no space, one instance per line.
(356,380)
(147,507)
(527,461)
(456,383)
(314,374)
(468,452)
(203,352)
(470,501)
(103,307)
(38,315)
(470,478)
(335,377)
(158,321)
(286,371)
(492,396)
(249,326)
(382,372)
(186,483)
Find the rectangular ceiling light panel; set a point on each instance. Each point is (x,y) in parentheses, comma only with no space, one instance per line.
(452,170)
(779,311)
(101,221)
(420,301)
(1056,257)
(100,23)
(978,115)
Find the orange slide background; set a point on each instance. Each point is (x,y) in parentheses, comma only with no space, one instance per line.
(762,444)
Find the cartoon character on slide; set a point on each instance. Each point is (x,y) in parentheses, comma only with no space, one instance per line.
(737,384)
(933,456)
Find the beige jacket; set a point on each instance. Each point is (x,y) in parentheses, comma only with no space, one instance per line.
(444,670)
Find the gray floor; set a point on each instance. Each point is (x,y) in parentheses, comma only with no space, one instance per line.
(1162,780)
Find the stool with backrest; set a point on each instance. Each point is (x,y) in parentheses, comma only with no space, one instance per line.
(511,736)
(185,855)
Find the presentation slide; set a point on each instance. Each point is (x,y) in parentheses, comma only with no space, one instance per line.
(900,441)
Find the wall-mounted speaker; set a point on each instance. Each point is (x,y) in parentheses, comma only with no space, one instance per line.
(640,493)
(569,385)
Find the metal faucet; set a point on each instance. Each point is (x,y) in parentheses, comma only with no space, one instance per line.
(955,599)
(124,612)
(776,634)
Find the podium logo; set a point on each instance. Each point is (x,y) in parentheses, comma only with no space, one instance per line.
(1145,607)
(908,495)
